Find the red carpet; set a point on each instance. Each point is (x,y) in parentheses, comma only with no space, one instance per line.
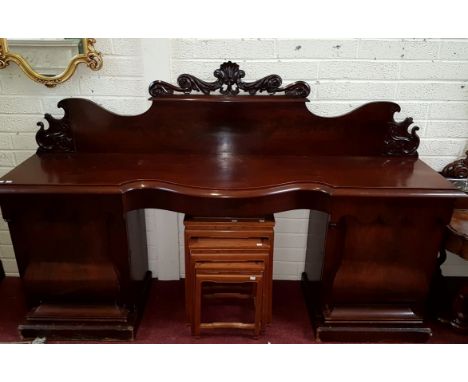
(164,318)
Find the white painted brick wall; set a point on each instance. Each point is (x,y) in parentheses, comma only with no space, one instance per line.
(427,77)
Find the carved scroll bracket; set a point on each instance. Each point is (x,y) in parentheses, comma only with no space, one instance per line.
(399,141)
(229,82)
(57,138)
(457,169)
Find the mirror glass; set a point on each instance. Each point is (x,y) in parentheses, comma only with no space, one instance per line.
(48,57)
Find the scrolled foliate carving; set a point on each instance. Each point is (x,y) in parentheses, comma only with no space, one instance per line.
(3,60)
(229,82)
(457,169)
(399,141)
(93,57)
(57,138)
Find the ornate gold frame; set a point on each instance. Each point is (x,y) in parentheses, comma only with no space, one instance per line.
(90,57)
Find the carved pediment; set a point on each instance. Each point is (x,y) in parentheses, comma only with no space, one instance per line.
(229,82)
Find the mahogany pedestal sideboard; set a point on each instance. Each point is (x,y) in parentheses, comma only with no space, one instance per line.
(226,155)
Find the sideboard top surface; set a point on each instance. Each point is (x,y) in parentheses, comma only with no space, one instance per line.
(219,175)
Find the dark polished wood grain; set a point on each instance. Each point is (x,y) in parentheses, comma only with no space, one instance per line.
(67,206)
(263,125)
(229,173)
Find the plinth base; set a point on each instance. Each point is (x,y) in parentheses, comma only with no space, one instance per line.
(70,321)
(363,323)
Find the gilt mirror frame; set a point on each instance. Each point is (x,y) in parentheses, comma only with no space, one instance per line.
(90,57)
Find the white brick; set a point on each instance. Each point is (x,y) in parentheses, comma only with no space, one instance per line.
(6,251)
(283,268)
(433,91)
(126,46)
(17,83)
(289,254)
(291,225)
(437,163)
(24,141)
(120,105)
(358,70)
(445,147)
(223,49)
(21,156)
(293,214)
(19,123)
(434,70)
(7,159)
(5,141)
(49,105)
(104,45)
(122,66)
(10,267)
(317,48)
(330,109)
(286,277)
(398,49)
(454,50)
(3,224)
(290,240)
(293,70)
(452,129)
(254,70)
(123,105)
(356,90)
(112,86)
(201,69)
(5,238)
(416,110)
(20,105)
(448,110)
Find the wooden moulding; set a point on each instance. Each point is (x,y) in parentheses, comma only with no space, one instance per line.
(363,323)
(58,321)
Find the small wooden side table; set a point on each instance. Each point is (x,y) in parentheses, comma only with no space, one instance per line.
(253,236)
(225,273)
